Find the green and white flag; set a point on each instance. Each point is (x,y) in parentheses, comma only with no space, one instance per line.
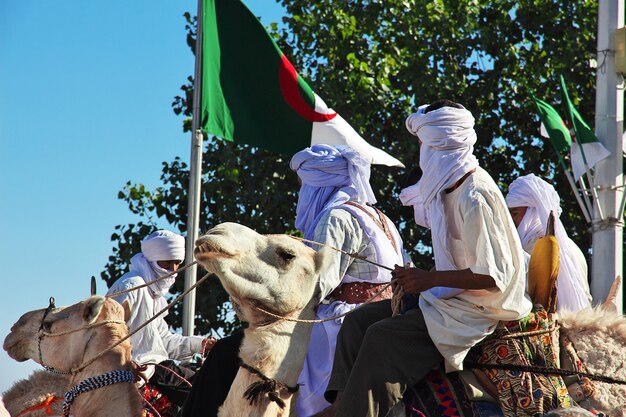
(252,94)
(553,127)
(586,148)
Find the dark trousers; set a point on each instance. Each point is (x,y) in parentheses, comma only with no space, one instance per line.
(378,357)
(171,385)
(214,378)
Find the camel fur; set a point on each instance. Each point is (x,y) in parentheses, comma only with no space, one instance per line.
(70,351)
(33,393)
(599,338)
(277,274)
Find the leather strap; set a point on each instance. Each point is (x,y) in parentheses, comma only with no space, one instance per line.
(381,222)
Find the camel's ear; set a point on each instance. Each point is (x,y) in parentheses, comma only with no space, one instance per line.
(126,306)
(610,304)
(322,259)
(92,309)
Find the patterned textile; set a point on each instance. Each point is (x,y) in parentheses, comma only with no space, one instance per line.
(532,341)
(158,401)
(443,395)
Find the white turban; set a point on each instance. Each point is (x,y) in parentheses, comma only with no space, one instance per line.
(448,137)
(161,245)
(541,198)
(330,175)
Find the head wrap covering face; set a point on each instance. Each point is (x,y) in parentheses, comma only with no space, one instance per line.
(330,176)
(446,155)
(161,245)
(541,198)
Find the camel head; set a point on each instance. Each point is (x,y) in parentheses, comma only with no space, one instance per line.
(66,351)
(274,272)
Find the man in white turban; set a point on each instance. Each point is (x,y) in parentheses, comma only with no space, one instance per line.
(479,278)
(161,254)
(530,201)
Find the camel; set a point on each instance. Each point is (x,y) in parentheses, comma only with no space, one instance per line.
(267,276)
(279,275)
(75,335)
(41,394)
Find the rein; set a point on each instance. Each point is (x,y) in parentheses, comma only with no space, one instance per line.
(353,255)
(544,371)
(85,364)
(182,268)
(312,321)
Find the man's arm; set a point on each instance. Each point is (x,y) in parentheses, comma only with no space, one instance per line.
(416,280)
(338,229)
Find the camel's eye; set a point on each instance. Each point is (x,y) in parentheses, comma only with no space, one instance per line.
(46,326)
(285,254)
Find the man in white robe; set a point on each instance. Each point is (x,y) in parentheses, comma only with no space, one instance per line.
(161,254)
(479,278)
(530,201)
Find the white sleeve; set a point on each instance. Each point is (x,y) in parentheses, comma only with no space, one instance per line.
(178,347)
(487,247)
(336,230)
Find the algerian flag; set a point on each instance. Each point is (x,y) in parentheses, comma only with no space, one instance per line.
(252,94)
(553,127)
(586,148)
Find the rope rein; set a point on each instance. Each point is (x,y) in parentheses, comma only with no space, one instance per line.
(544,371)
(99,355)
(353,255)
(368,301)
(180,269)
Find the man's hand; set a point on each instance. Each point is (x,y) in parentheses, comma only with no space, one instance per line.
(413,280)
(207,345)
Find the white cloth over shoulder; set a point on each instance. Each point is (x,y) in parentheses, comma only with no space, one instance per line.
(448,137)
(481,237)
(154,342)
(541,198)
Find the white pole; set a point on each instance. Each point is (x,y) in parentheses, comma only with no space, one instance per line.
(195,183)
(608,233)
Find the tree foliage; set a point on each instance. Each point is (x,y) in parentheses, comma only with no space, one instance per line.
(374,62)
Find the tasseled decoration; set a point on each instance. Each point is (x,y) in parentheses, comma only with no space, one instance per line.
(266,387)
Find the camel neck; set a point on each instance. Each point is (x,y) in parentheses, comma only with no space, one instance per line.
(269,348)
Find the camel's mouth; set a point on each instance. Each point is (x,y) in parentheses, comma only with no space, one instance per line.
(207,250)
(11,346)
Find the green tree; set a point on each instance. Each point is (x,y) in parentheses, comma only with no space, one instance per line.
(374,62)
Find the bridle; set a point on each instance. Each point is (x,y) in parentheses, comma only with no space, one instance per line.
(42,333)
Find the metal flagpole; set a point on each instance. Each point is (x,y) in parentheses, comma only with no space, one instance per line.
(585,193)
(608,234)
(583,205)
(195,183)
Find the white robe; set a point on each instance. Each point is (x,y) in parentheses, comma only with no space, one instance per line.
(481,237)
(155,342)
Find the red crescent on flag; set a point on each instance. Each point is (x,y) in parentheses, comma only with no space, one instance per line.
(288,82)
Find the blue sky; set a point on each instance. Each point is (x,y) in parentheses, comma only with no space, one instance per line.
(85,94)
